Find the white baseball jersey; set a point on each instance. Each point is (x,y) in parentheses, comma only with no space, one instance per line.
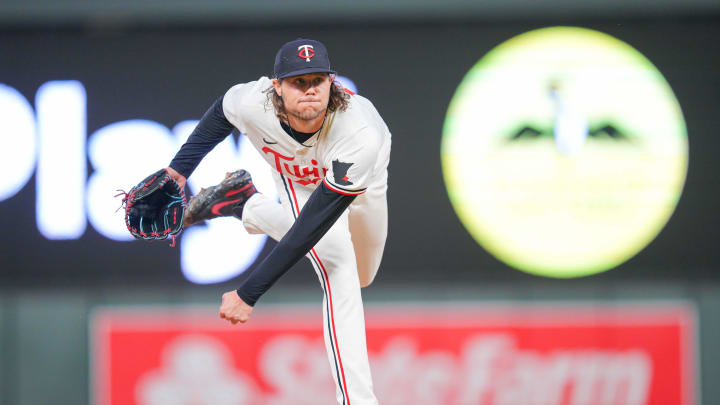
(349,155)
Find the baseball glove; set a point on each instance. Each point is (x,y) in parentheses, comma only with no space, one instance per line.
(155,208)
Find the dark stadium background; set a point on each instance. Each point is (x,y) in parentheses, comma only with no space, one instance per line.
(410,72)
(409,68)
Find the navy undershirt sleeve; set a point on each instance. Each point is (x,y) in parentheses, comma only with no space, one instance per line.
(210,131)
(320,212)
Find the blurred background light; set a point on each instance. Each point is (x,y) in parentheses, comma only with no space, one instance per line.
(564,152)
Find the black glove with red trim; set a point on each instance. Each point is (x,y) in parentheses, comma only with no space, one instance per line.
(154,209)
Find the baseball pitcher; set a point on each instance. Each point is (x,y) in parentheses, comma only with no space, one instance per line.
(329,151)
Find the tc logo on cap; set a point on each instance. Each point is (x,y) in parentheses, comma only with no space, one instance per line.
(306,52)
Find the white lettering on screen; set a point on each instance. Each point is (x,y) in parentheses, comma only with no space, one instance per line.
(61,162)
(17,141)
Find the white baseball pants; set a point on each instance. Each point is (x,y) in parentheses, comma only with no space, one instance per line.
(345,259)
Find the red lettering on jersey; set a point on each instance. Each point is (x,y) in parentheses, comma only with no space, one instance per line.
(278,156)
(300,173)
(296,171)
(306,182)
(307,171)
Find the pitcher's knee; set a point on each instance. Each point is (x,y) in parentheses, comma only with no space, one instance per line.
(366,281)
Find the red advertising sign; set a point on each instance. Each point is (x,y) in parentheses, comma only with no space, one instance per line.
(570,354)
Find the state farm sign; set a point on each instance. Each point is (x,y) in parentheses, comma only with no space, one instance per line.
(480,355)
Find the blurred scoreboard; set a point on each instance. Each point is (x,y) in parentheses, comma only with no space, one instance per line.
(86,114)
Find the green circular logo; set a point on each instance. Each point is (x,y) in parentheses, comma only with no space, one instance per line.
(564,152)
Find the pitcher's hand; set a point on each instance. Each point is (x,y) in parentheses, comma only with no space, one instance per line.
(234,309)
(177,176)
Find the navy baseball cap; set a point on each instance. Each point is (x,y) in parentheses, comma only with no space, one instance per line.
(300,57)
